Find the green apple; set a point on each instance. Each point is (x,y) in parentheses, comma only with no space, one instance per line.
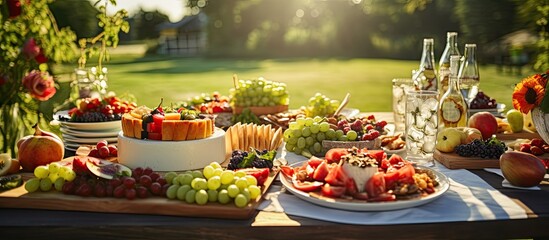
(515,119)
(448,139)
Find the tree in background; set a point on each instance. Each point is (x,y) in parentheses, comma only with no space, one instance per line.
(535,15)
(144,24)
(78,15)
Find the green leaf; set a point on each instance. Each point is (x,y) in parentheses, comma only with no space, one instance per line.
(247,161)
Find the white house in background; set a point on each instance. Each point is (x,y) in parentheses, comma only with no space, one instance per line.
(185,38)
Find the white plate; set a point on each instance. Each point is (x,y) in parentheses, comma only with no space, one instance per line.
(69,138)
(443,186)
(86,126)
(388,151)
(84,134)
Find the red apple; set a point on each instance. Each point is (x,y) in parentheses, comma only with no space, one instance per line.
(522,169)
(485,122)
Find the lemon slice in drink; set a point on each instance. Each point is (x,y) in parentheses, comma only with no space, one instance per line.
(138,112)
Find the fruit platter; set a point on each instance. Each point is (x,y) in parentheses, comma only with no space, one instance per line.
(363,180)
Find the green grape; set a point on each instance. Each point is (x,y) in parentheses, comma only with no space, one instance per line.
(251,180)
(309,141)
(241,183)
(300,121)
(343,138)
(315,128)
(171,193)
(58,184)
(190,196)
(320,136)
(352,135)
(185,179)
(69,174)
(306,153)
(306,131)
(199,184)
(309,122)
(301,142)
(233,190)
(290,147)
(287,133)
(339,133)
(41,172)
(208,171)
(293,141)
(212,195)
(54,167)
(218,172)
(331,134)
(255,191)
(317,147)
(293,125)
(45,184)
(246,193)
(227,177)
(62,172)
(182,192)
(170,176)
(317,119)
(241,201)
(324,126)
(53,176)
(240,173)
(32,185)
(296,133)
(223,197)
(298,150)
(215,165)
(214,183)
(197,174)
(201,197)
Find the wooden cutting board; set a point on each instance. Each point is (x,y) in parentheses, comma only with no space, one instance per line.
(521,135)
(53,200)
(454,161)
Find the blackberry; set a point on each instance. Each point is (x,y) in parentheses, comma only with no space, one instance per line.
(490,148)
(93,117)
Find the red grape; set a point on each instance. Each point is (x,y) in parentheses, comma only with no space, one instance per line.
(115,182)
(84,190)
(164,189)
(104,152)
(156,188)
(119,192)
(100,191)
(154,176)
(142,192)
(145,180)
(130,193)
(101,144)
(129,182)
(69,187)
(109,190)
(137,172)
(147,171)
(161,180)
(113,150)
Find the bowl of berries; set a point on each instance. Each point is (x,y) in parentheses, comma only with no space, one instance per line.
(361,132)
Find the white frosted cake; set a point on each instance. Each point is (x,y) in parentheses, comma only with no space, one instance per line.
(171,155)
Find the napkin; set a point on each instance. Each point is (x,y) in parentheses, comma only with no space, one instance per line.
(468,199)
(506,183)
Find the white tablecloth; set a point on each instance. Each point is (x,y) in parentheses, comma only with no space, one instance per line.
(469,198)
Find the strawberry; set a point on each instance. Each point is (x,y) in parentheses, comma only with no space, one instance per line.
(536,150)
(545,162)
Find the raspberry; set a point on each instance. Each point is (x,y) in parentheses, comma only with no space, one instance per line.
(525,147)
(536,150)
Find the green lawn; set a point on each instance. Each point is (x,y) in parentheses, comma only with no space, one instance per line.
(368,80)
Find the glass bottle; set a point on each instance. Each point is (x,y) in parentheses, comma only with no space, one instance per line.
(451,49)
(425,77)
(468,76)
(453,108)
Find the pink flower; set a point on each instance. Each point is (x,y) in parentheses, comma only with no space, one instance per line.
(40,85)
(31,49)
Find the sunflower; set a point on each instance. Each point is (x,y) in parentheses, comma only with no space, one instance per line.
(529,93)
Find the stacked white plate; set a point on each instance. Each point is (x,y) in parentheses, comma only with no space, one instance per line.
(76,134)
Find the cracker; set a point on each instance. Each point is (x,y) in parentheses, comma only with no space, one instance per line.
(234,135)
(252,141)
(276,139)
(267,136)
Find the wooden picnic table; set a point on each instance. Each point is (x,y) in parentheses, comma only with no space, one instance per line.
(33,223)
